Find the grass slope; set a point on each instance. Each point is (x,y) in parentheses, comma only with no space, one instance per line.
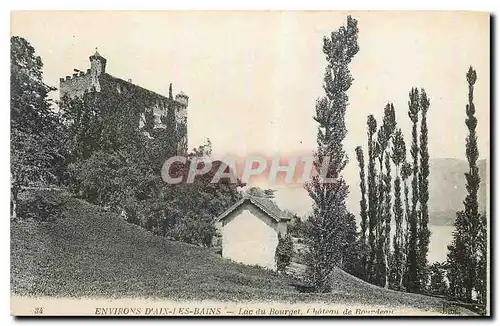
(89,252)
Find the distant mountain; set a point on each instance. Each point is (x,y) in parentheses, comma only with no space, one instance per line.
(447,189)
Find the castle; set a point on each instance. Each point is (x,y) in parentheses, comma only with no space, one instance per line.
(144,101)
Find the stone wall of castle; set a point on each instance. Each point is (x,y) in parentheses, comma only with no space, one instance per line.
(75,85)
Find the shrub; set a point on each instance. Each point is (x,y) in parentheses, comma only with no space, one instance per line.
(193,229)
(42,206)
(284,252)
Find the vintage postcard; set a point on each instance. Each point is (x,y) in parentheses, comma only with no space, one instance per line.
(274,163)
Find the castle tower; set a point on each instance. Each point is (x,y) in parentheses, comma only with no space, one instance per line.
(98,62)
(181,120)
(182,98)
(97,67)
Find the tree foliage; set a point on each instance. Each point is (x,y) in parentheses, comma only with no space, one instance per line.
(284,252)
(423,192)
(438,283)
(364,214)
(412,275)
(37,134)
(114,163)
(467,255)
(326,234)
(372,198)
(398,158)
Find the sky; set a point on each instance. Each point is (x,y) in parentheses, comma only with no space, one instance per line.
(253,77)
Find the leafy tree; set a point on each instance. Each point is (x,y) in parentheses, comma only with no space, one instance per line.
(456,261)
(481,285)
(406,172)
(30,106)
(97,177)
(466,251)
(384,200)
(295,227)
(363,212)
(372,198)
(258,192)
(351,261)
(438,283)
(82,118)
(413,282)
(191,208)
(389,126)
(149,121)
(387,219)
(114,165)
(326,234)
(423,192)
(37,135)
(284,252)
(93,124)
(398,158)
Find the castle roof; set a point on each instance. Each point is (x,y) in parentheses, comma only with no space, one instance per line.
(97,55)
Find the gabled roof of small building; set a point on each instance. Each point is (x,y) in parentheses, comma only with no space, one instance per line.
(265,204)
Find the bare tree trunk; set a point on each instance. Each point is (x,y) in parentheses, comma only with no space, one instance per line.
(14,201)
(14,208)
(386,262)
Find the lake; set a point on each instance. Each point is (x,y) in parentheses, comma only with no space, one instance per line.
(441,237)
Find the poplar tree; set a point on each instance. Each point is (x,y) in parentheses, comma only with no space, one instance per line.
(387,218)
(363,210)
(413,283)
(371,124)
(327,227)
(423,193)
(406,172)
(389,126)
(398,158)
(384,209)
(464,253)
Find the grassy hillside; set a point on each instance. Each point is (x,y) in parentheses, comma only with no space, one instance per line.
(89,252)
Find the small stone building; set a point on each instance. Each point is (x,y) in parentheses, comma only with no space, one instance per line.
(249,231)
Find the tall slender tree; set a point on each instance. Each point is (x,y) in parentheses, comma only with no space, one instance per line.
(379,229)
(363,210)
(384,200)
(406,172)
(326,227)
(390,127)
(464,253)
(398,158)
(372,197)
(413,284)
(387,219)
(423,192)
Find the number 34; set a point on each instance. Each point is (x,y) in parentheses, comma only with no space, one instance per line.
(38,311)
